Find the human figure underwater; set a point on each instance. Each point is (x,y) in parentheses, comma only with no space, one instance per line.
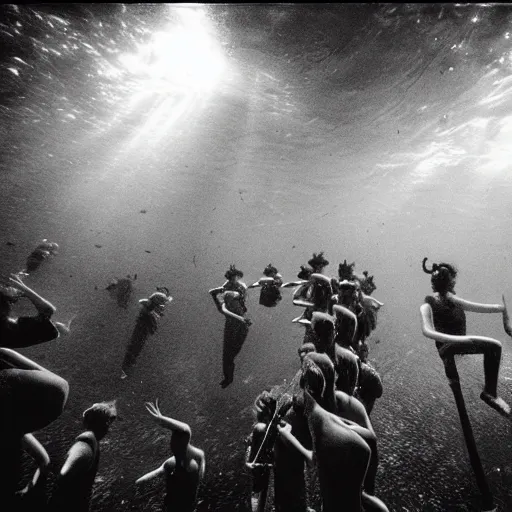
(443,317)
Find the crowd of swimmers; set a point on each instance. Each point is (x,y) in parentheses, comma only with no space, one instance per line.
(319,423)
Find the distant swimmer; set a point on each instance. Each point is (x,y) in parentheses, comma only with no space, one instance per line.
(270,285)
(122,290)
(184,471)
(443,317)
(152,309)
(230,301)
(43,251)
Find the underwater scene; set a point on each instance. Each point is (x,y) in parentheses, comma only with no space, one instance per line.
(166,147)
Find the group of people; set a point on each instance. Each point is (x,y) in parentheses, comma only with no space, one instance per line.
(32,397)
(320,420)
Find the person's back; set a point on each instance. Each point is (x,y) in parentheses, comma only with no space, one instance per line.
(342,458)
(74,489)
(182,483)
(77,475)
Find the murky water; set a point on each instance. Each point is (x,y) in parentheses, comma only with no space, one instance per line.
(376,134)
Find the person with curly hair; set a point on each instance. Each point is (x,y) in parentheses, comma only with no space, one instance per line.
(443,319)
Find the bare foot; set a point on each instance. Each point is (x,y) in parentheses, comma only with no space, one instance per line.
(497,403)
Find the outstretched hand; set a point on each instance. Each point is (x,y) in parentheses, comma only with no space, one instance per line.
(506,318)
(154,410)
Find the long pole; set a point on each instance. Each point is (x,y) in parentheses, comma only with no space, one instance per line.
(474,458)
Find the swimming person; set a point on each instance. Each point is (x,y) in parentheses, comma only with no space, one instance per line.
(77,475)
(270,294)
(26,331)
(43,251)
(184,471)
(230,301)
(31,397)
(302,294)
(443,317)
(339,450)
(152,309)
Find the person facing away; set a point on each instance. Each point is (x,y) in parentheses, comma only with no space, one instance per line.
(76,478)
(339,449)
(443,317)
(270,294)
(183,471)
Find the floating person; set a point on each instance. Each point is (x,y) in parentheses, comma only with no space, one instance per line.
(77,475)
(318,263)
(270,294)
(184,471)
(443,317)
(31,397)
(26,331)
(121,290)
(338,449)
(152,309)
(42,252)
(230,301)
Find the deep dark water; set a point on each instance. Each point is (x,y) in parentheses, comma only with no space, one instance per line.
(377,133)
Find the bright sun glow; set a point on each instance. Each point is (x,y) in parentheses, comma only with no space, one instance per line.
(186,56)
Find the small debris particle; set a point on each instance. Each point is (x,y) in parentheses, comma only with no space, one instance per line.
(149,252)
(143,211)
(98,246)
(10,244)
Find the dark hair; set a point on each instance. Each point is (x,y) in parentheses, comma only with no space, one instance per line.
(305,272)
(322,324)
(270,270)
(443,277)
(99,417)
(179,441)
(318,260)
(232,272)
(346,271)
(264,405)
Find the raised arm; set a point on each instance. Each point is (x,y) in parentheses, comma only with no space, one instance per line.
(79,459)
(166,422)
(156,472)
(475,307)
(43,307)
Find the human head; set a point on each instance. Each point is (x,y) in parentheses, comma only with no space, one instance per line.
(318,262)
(265,406)
(233,274)
(323,326)
(157,301)
(304,273)
(318,377)
(443,277)
(305,349)
(346,271)
(99,417)
(348,292)
(180,440)
(270,270)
